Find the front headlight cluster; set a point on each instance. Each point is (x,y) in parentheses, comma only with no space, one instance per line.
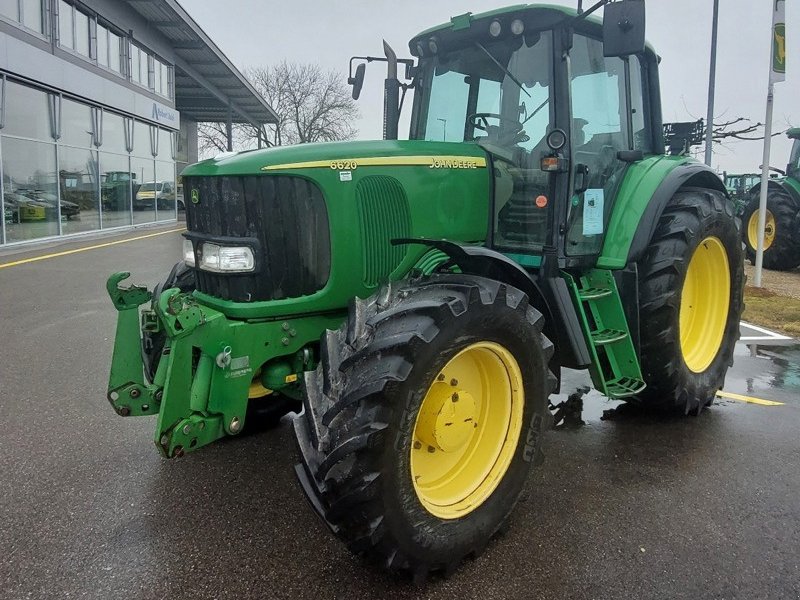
(219,259)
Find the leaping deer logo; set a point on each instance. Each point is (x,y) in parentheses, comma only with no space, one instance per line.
(780,41)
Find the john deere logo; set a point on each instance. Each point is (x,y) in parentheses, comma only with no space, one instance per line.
(195,197)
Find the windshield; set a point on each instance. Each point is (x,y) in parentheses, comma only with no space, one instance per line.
(150,187)
(496,93)
(793,169)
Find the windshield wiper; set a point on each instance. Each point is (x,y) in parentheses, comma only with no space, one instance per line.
(504,69)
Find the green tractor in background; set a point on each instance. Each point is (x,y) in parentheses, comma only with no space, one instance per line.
(419,299)
(739,186)
(782,225)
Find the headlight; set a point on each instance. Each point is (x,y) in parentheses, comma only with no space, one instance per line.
(226,259)
(188,253)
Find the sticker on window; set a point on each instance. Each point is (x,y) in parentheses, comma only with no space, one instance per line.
(593,212)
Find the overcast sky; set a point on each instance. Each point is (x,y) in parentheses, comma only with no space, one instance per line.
(259,32)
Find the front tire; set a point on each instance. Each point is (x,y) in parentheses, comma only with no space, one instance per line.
(781,246)
(402,454)
(690,285)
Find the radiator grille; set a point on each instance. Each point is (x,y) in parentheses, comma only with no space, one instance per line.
(383,215)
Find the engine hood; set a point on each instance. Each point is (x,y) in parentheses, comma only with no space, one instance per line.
(343,156)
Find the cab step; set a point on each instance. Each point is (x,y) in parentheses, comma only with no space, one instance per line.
(615,366)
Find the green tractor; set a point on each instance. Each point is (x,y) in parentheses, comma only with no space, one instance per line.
(739,186)
(419,299)
(782,224)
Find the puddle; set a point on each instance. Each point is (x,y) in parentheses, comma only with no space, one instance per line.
(769,372)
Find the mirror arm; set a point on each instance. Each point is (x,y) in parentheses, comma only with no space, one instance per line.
(582,15)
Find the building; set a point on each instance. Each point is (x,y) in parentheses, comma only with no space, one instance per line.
(99,106)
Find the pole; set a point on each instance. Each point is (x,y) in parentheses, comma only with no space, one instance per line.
(762,201)
(229,129)
(712,77)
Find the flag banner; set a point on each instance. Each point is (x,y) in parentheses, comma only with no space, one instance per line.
(778,68)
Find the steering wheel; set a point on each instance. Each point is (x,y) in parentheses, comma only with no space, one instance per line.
(514,133)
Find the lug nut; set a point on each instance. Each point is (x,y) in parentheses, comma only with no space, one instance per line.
(440,377)
(135,393)
(431,449)
(417,445)
(454,397)
(454,382)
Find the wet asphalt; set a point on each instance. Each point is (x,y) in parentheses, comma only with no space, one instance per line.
(631,507)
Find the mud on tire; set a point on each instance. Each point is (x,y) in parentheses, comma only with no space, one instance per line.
(691,216)
(361,405)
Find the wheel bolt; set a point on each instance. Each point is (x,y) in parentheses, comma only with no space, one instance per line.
(431,449)
(440,377)
(454,382)
(417,445)
(454,397)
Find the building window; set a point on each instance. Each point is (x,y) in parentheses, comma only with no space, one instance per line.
(109,49)
(139,66)
(32,15)
(29,13)
(162,78)
(66,36)
(82,33)
(74,30)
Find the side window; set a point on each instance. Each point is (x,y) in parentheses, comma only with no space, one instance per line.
(598,133)
(641,129)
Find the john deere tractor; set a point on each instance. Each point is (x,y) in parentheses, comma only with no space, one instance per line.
(416,301)
(782,225)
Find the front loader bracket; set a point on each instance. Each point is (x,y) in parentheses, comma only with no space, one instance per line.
(126,298)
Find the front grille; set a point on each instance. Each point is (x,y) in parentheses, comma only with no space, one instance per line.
(286,215)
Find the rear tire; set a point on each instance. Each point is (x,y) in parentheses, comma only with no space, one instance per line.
(783,253)
(684,369)
(358,432)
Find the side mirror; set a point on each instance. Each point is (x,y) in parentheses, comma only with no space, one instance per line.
(623,28)
(358,80)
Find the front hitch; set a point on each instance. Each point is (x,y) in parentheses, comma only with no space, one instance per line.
(127,391)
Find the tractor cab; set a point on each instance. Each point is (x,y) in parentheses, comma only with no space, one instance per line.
(559,118)
(793,168)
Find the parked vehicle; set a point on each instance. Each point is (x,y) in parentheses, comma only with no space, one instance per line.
(420,298)
(152,192)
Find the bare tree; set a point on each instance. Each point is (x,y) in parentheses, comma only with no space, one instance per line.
(312,104)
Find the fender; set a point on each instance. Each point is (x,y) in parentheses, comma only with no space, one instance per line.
(783,185)
(645,190)
(549,296)
(687,175)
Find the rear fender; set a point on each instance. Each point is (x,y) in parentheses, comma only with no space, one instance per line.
(782,185)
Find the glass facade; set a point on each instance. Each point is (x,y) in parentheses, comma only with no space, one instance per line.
(69,167)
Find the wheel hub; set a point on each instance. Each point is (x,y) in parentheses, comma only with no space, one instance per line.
(448,419)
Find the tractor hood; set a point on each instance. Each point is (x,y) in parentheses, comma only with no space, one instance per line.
(343,156)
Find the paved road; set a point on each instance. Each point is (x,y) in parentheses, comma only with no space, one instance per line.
(691,508)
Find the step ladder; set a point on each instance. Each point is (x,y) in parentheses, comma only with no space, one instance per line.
(615,366)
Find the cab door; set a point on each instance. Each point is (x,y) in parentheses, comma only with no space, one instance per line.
(603,93)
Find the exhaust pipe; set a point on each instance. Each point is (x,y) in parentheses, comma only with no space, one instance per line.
(391,95)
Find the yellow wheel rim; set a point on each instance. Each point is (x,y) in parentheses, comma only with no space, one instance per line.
(705,300)
(769,230)
(467,430)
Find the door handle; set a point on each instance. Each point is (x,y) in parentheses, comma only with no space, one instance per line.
(582,171)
